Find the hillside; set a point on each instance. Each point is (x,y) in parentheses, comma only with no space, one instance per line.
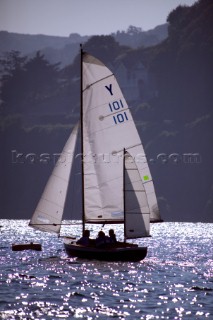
(169,89)
(64,49)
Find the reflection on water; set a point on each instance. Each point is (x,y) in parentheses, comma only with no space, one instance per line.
(175,281)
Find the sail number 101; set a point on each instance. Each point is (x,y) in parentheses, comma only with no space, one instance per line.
(121,116)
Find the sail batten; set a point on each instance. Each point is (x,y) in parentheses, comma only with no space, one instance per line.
(53,202)
(92,84)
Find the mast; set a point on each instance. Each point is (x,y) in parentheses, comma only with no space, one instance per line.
(124,200)
(82,143)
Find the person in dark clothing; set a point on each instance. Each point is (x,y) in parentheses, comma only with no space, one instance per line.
(112,236)
(101,239)
(85,240)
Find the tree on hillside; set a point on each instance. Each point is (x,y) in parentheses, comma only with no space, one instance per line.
(105,48)
(183,69)
(11,62)
(41,78)
(183,63)
(25,83)
(12,80)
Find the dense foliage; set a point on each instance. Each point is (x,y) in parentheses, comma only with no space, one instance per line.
(26,82)
(183,63)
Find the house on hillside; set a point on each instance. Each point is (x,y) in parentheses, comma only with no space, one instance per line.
(134,82)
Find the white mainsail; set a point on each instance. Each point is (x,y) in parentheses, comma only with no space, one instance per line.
(108,128)
(49,211)
(136,209)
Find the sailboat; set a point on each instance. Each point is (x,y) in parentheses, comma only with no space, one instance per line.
(117,186)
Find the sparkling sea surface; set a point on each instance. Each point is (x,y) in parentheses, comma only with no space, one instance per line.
(174,281)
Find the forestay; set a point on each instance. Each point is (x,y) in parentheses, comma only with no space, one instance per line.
(49,211)
(108,128)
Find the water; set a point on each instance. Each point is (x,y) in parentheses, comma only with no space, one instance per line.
(175,281)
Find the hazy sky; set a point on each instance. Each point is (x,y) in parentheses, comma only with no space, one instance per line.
(86,17)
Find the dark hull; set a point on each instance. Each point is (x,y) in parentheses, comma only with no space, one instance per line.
(119,253)
(26,246)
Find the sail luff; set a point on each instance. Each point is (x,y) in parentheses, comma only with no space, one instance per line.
(49,211)
(82,140)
